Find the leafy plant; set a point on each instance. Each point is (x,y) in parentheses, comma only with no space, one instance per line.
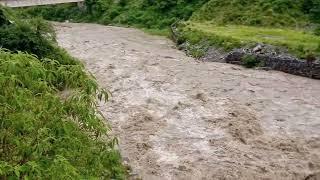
(45,135)
(317,31)
(250,61)
(312,7)
(34,36)
(139,13)
(3,18)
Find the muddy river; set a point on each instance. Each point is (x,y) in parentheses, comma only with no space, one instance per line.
(177,118)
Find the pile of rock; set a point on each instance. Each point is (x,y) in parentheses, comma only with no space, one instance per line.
(270,58)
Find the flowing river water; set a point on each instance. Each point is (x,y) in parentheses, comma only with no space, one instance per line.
(177,118)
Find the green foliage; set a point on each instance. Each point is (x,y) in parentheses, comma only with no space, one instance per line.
(250,61)
(312,7)
(34,36)
(45,135)
(22,37)
(291,16)
(318,48)
(59,12)
(317,31)
(156,14)
(150,14)
(3,18)
(197,37)
(299,43)
(279,13)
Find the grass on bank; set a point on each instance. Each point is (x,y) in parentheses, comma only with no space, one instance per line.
(274,13)
(298,42)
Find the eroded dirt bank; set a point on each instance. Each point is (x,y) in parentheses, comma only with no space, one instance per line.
(180,119)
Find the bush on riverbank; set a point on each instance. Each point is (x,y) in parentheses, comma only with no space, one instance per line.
(160,14)
(154,15)
(45,134)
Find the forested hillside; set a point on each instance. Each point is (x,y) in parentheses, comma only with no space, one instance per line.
(141,13)
(286,23)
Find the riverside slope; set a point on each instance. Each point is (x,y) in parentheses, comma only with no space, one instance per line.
(177,118)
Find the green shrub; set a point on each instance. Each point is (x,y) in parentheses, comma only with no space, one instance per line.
(200,41)
(45,135)
(250,61)
(312,7)
(34,36)
(23,37)
(60,12)
(3,18)
(254,12)
(317,31)
(139,13)
(159,14)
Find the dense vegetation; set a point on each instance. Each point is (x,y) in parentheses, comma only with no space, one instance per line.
(205,19)
(293,25)
(201,36)
(145,13)
(60,12)
(279,13)
(151,14)
(160,14)
(50,128)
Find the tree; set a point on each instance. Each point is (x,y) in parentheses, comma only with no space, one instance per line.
(315,11)
(312,7)
(3,18)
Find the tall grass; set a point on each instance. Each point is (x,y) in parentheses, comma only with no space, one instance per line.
(45,135)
